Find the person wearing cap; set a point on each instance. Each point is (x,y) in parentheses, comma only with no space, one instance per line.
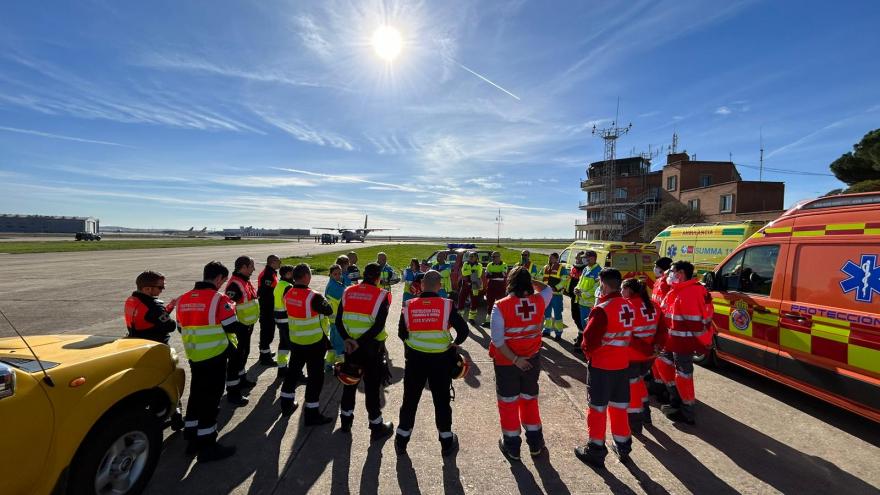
(496,282)
(429,350)
(526,262)
(266,282)
(360,321)
(585,292)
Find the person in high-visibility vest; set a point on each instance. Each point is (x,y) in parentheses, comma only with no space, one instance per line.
(555,276)
(445,269)
(147,316)
(247,309)
(606,347)
(360,321)
(429,349)
(496,283)
(649,334)
(410,275)
(389,276)
(333,293)
(586,291)
(285,280)
(353,273)
(574,276)
(266,282)
(471,285)
(687,311)
(208,329)
(306,310)
(515,348)
(657,386)
(526,262)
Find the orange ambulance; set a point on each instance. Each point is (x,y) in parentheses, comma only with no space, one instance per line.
(799,301)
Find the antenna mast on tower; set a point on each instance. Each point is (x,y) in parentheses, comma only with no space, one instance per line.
(761,166)
(498,222)
(611,230)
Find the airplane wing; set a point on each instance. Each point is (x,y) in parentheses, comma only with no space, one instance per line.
(375,230)
(330,228)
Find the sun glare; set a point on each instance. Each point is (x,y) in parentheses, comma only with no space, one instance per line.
(387,43)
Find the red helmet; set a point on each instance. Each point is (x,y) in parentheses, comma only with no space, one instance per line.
(460,368)
(348,373)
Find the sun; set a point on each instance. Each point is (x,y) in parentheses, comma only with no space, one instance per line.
(387,43)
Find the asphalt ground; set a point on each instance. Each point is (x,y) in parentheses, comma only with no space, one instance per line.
(752,435)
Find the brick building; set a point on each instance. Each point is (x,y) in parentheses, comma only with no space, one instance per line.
(714,188)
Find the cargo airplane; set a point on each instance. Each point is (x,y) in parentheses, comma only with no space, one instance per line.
(349,235)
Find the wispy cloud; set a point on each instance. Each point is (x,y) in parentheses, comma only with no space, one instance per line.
(723,110)
(191,64)
(61,136)
(306,133)
(311,36)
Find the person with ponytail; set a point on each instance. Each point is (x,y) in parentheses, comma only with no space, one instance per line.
(648,335)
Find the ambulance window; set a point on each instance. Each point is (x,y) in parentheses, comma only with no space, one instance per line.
(625,262)
(563,258)
(751,270)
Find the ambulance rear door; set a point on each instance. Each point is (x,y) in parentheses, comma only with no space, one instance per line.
(747,301)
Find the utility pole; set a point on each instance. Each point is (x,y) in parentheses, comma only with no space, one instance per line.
(761,166)
(612,231)
(498,221)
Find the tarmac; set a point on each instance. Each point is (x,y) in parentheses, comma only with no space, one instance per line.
(752,435)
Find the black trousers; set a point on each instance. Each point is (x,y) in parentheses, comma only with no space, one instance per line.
(238,358)
(576,314)
(205,390)
(312,356)
(369,356)
(267,324)
(433,369)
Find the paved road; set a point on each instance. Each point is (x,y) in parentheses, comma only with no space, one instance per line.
(753,435)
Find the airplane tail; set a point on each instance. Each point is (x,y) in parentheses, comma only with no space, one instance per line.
(366,217)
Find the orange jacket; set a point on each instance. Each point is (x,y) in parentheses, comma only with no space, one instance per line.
(687,310)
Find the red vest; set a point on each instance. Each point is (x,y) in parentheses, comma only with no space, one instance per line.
(194,308)
(644,332)
(135,313)
(661,287)
(244,286)
(687,311)
(613,354)
(298,302)
(427,320)
(523,322)
(364,299)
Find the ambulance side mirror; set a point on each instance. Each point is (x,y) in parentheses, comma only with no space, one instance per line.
(710,281)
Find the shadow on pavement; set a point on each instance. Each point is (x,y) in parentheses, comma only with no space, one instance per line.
(550,476)
(650,486)
(472,379)
(451,476)
(406,476)
(559,364)
(842,419)
(525,480)
(777,464)
(692,473)
(373,467)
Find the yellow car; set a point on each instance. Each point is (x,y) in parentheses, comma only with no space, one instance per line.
(92,421)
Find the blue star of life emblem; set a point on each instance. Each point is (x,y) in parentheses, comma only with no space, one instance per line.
(670,251)
(863,278)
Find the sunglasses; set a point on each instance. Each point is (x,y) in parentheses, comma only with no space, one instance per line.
(160,287)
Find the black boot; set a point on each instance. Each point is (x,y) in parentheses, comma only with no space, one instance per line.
(288,406)
(282,373)
(635,422)
(448,445)
(313,417)
(622,450)
(234,397)
(245,384)
(535,441)
(345,422)
(592,454)
(266,360)
(510,447)
(400,443)
(214,451)
(379,431)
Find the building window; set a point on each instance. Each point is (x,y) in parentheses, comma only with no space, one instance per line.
(694,204)
(726,203)
(619,216)
(672,183)
(620,193)
(705,180)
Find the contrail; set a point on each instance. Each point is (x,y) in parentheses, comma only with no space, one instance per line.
(60,136)
(488,81)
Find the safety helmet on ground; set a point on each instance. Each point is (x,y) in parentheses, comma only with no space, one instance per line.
(348,373)
(460,367)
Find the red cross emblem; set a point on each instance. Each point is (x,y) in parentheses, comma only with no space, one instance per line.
(648,311)
(525,309)
(626,315)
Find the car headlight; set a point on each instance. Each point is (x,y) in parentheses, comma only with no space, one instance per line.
(174,358)
(7,381)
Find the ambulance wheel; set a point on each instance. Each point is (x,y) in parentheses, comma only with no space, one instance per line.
(119,455)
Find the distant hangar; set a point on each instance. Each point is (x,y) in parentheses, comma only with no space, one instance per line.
(41,224)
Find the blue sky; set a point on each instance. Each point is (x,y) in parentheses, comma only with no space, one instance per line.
(280,114)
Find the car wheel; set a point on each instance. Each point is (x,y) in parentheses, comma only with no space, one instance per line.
(119,455)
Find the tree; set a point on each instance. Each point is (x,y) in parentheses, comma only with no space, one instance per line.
(861,164)
(671,213)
